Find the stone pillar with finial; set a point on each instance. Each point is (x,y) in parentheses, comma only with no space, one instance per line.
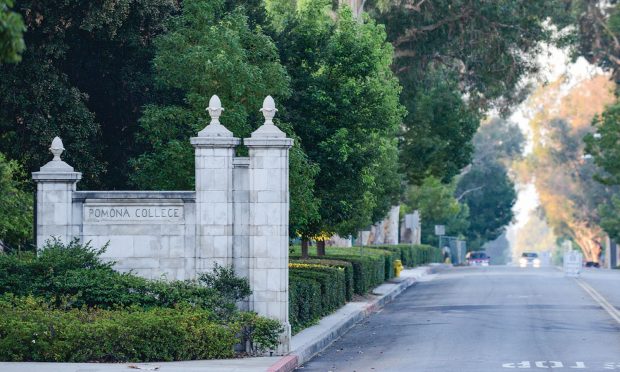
(269,221)
(214,153)
(56,182)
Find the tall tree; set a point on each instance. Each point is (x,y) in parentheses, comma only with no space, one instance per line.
(470,53)
(344,107)
(84,77)
(569,196)
(486,187)
(212,49)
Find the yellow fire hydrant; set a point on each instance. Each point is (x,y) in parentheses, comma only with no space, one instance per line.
(398,267)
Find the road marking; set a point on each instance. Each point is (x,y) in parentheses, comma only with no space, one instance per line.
(543,364)
(611,310)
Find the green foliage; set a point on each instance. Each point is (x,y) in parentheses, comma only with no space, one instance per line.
(208,50)
(32,330)
(437,206)
(306,279)
(11,33)
(77,308)
(610,218)
(212,47)
(260,333)
(369,265)
(489,195)
(604,147)
(436,138)
(224,280)
(414,255)
(73,275)
(304,302)
(84,80)
(15,206)
(347,266)
(344,107)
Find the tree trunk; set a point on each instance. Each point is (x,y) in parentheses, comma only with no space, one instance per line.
(320,247)
(304,248)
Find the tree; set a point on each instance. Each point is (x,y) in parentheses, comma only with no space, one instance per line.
(15,207)
(84,77)
(344,107)
(490,195)
(456,60)
(437,206)
(563,176)
(11,33)
(436,138)
(603,147)
(486,187)
(211,49)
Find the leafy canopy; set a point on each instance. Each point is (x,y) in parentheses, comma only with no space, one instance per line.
(344,107)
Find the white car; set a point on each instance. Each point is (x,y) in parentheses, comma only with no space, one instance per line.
(529,259)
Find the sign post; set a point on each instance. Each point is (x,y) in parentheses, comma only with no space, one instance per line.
(572,263)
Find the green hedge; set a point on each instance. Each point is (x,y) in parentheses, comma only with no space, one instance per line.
(369,264)
(31,330)
(66,304)
(306,305)
(414,255)
(347,266)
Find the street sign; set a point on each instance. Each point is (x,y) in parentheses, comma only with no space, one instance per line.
(440,230)
(572,263)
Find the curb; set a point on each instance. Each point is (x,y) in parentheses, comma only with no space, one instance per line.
(306,352)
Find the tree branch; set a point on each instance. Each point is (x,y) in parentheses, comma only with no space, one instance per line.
(458,199)
(413,31)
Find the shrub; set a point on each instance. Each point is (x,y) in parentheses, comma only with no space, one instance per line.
(32,330)
(306,304)
(347,266)
(368,265)
(74,275)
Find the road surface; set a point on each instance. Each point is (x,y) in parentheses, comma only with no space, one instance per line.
(494,318)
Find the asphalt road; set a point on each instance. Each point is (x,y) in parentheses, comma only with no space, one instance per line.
(487,319)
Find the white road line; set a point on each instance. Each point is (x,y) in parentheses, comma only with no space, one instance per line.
(611,310)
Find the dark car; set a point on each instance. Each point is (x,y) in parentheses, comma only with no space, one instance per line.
(529,259)
(478,258)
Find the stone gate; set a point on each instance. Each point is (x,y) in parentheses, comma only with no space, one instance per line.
(237,215)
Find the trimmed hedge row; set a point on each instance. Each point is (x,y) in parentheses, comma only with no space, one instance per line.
(31,330)
(369,265)
(314,291)
(348,271)
(414,255)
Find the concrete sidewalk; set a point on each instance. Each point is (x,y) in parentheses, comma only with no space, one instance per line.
(304,345)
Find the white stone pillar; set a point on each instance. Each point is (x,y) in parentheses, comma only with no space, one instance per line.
(215,150)
(56,182)
(269,221)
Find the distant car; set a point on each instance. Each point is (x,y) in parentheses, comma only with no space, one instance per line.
(529,259)
(477,258)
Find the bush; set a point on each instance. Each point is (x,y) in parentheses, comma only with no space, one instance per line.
(414,255)
(348,271)
(304,302)
(32,330)
(74,275)
(368,264)
(68,305)
(330,297)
